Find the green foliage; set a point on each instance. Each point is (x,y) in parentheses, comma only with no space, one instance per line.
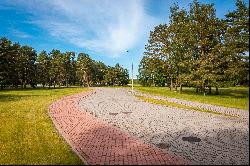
(20,65)
(42,68)
(198,49)
(17,64)
(116,76)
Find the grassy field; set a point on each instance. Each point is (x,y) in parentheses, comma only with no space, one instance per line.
(27,135)
(235,97)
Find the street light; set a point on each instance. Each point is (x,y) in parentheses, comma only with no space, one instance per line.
(132,76)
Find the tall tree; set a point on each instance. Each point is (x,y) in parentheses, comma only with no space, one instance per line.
(5,48)
(14,64)
(85,68)
(26,66)
(181,46)
(205,26)
(155,56)
(70,72)
(237,42)
(43,67)
(57,70)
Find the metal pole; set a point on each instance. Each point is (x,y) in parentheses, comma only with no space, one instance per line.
(132,78)
(132,75)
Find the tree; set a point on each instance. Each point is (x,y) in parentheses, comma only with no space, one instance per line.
(237,43)
(84,69)
(145,72)
(20,65)
(198,49)
(155,57)
(116,76)
(26,66)
(57,70)
(99,71)
(180,46)
(5,48)
(14,64)
(69,66)
(120,75)
(43,67)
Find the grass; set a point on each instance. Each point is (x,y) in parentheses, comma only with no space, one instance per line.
(234,97)
(27,134)
(172,104)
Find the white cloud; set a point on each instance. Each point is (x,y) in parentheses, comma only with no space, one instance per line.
(20,34)
(107,26)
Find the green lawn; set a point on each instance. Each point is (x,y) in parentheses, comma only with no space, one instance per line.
(235,97)
(27,134)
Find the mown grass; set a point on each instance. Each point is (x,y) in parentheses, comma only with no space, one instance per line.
(234,97)
(27,134)
(176,105)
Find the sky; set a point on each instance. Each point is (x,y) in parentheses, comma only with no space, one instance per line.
(104,29)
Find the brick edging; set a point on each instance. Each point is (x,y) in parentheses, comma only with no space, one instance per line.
(97,142)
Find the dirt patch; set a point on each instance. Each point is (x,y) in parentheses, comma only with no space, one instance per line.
(191,139)
(163,145)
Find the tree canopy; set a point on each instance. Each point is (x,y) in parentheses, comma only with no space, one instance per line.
(198,49)
(20,66)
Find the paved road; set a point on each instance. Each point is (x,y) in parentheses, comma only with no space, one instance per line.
(99,143)
(200,138)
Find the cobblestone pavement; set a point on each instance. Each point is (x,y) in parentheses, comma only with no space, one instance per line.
(230,111)
(97,142)
(199,138)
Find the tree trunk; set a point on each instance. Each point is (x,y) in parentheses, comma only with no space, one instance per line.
(171,85)
(25,84)
(180,88)
(197,89)
(217,90)
(210,90)
(88,81)
(176,85)
(204,90)
(22,83)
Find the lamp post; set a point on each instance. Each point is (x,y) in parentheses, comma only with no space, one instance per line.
(132,76)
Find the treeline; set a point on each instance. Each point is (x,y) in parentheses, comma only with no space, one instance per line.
(20,66)
(197,49)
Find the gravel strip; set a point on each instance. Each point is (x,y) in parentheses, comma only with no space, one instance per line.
(220,109)
(198,137)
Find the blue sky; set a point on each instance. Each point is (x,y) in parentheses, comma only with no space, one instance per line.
(104,29)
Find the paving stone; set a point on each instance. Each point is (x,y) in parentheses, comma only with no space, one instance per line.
(85,131)
(157,125)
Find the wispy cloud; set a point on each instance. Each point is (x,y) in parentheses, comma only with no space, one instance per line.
(20,34)
(107,26)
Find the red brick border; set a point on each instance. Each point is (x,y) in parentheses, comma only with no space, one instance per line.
(97,142)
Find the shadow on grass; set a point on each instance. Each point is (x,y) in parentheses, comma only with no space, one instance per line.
(223,92)
(39,88)
(11,97)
